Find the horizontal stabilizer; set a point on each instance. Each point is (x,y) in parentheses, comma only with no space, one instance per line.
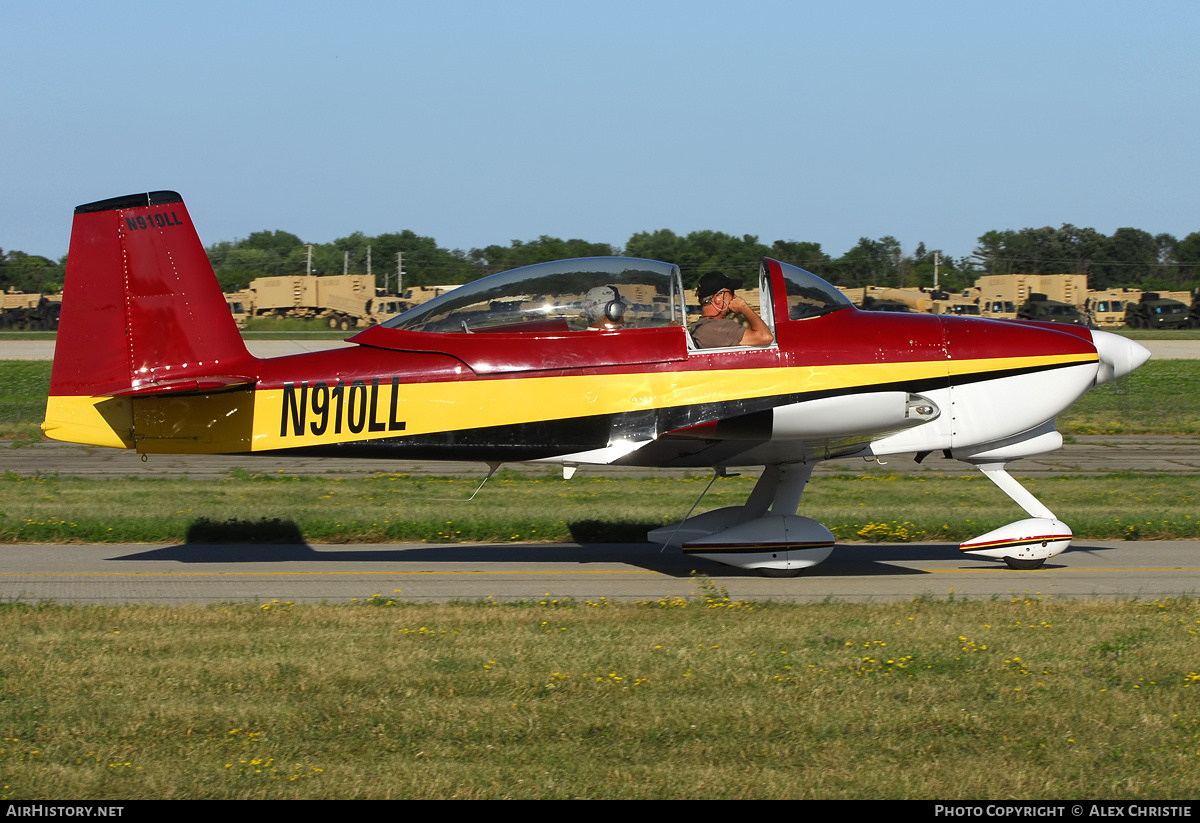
(206,385)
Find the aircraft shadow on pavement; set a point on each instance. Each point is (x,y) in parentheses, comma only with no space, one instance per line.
(281,541)
(639,555)
(847,560)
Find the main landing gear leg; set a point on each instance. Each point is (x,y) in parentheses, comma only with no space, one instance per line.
(779,489)
(763,534)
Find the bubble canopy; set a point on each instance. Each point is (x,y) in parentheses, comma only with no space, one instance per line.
(552,296)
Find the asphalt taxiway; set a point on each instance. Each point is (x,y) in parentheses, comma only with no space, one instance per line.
(199,574)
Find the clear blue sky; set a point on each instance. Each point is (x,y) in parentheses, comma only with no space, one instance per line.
(483,122)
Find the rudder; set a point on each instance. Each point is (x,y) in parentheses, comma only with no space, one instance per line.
(142,314)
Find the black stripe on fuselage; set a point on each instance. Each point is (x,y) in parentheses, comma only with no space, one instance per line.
(746,420)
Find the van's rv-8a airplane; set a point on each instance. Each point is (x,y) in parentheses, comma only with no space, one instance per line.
(504,370)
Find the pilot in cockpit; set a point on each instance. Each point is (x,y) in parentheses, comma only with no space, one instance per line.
(604,309)
(715,329)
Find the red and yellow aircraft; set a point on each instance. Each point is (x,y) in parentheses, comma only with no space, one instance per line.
(505,369)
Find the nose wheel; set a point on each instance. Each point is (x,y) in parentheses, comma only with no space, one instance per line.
(1026,544)
(765,572)
(1024,565)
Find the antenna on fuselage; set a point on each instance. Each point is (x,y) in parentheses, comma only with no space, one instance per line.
(492,468)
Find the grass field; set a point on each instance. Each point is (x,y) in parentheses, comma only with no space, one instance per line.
(259,327)
(1157,334)
(520,507)
(24,386)
(1018,697)
(1162,397)
(1011,698)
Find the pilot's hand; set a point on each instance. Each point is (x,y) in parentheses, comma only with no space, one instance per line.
(737,305)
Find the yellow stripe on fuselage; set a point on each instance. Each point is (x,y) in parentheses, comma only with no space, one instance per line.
(425,408)
(313,413)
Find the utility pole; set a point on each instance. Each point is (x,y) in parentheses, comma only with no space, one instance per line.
(937,258)
(308,265)
(399,273)
(345,262)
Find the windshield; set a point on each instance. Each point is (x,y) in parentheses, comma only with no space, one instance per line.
(809,295)
(565,295)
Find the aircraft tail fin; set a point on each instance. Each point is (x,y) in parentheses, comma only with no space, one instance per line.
(142,314)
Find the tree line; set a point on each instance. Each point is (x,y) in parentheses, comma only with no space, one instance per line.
(1128,258)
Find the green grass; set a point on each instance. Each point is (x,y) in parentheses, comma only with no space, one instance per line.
(519,507)
(24,386)
(1021,697)
(1015,698)
(258,326)
(1157,334)
(1162,397)
(8,334)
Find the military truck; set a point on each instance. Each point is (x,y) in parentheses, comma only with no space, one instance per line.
(344,302)
(963,306)
(383,307)
(1107,308)
(998,308)
(1041,307)
(881,298)
(416,295)
(241,305)
(878,298)
(1002,294)
(1153,311)
(341,300)
(29,311)
(879,304)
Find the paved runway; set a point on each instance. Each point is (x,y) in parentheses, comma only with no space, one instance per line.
(200,574)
